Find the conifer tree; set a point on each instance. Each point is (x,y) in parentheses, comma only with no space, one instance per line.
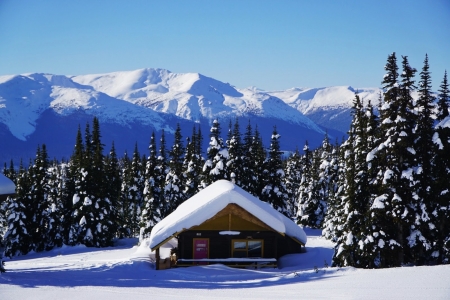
(150,212)
(258,159)
(356,192)
(440,212)
(132,189)
(114,179)
(247,166)
(274,190)
(292,181)
(215,164)
(310,207)
(173,190)
(38,217)
(92,225)
(332,228)
(161,170)
(391,213)
(18,239)
(54,230)
(443,99)
(191,167)
(420,238)
(234,161)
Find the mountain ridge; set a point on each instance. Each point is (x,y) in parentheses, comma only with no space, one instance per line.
(138,102)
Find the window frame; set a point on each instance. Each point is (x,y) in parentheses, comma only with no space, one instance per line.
(246,246)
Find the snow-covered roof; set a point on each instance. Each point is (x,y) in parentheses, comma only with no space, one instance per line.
(6,185)
(208,202)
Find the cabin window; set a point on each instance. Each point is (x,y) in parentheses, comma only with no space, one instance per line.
(247,248)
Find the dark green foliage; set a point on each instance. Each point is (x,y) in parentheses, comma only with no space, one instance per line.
(215,165)
(18,239)
(293,177)
(443,99)
(274,190)
(173,190)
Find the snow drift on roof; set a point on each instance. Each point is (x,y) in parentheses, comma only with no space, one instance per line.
(208,202)
(6,185)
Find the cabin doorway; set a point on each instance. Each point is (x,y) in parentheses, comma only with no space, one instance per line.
(201,248)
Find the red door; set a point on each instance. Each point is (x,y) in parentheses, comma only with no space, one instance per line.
(201,248)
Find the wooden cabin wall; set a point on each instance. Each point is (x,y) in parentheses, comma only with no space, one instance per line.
(275,245)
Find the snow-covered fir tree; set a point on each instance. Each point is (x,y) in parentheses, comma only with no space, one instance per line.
(173,191)
(441,211)
(258,159)
(114,179)
(292,180)
(274,190)
(92,223)
(39,205)
(235,155)
(420,239)
(391,213)
(131,195)
(356,193)
(215,165)
(17,239)
(249,177)
(312,204)
(150,212)
(191,166)
(54,231)
(160,172)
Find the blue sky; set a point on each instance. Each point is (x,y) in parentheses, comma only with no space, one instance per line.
(267,44)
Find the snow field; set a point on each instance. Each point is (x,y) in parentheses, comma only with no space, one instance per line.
(126,271)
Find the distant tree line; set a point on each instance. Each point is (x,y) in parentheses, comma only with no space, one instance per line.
(382,195)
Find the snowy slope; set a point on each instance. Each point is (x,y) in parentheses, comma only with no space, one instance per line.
(126,271)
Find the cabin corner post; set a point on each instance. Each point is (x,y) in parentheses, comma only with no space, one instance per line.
(157,259)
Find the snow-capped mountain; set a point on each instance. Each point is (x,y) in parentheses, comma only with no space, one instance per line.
(192,96)
(328,106)
(45,108)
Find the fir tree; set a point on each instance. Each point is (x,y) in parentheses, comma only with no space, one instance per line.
(355,194)
(173,190)
(215,164)
(54,230)
(391,213)
(235,155)
(419,240)
(150,212)
(114,179)
(38,217)
(443,99)
(258,158)
(310,207)
(160,173)
(18,239)
(247,167)
(190,167)
(292,181)
(440,213)
(274,190)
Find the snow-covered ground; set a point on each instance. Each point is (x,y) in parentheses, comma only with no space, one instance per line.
(126,272)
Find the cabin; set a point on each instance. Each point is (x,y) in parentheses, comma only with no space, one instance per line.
(7,188)
(225,224)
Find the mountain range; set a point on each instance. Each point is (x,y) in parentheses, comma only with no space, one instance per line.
(47,109)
